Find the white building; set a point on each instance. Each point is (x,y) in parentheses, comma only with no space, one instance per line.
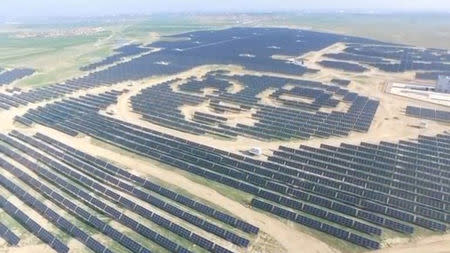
(443,84)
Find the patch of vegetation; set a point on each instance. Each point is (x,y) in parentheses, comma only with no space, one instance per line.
(9,41)
(169,25)
(267,244)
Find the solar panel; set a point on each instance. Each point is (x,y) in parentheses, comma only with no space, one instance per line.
(9,236)
(428,113)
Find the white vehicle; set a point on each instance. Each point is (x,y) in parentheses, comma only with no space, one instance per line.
(423,124)
(255,151)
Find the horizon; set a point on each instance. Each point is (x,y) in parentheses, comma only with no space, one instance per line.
(36,19)
(99,8)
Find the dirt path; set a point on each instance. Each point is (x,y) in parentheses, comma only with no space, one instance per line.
(432,244)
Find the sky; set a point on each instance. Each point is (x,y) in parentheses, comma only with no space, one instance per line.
(48,8)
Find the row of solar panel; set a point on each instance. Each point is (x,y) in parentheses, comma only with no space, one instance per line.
(302,130)
(404,154)
(402,150)
(426,113)
(122,52)
(324,227)
(365,114)
(245,101)
(320,98)
(434,75)
(9,236)
(10,76)
(209,81)
(435,146)
(208,118)
(398,52)
(309,126)
(58,90)
(355,57)
(342,65)
(408,65)
(433,143)
(187,126)
(33,226)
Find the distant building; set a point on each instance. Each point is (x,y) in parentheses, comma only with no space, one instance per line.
(443,84)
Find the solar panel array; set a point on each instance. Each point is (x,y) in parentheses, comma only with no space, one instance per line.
(92,127)
(210,227)
(160,104)
(337,184)
(428,63)
(48,92)
(58,199)
(361,190)
(84,173)
(55,114)
(231,169)
(396,180)
(10,76)
(427,113)
(51,215)
(203,48)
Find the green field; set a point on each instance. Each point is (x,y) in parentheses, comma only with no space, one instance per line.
(55,59)
(168,25)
